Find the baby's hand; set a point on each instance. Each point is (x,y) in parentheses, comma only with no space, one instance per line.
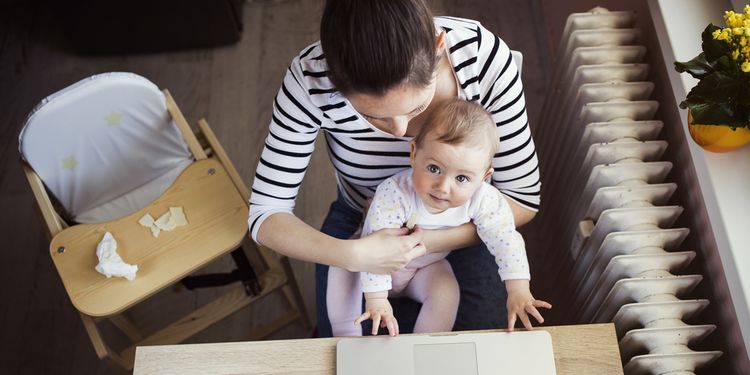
(380,311)
(521,303)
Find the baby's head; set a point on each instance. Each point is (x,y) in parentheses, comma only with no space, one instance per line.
(452,154)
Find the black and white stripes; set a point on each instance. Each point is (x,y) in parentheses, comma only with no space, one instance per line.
(364,156)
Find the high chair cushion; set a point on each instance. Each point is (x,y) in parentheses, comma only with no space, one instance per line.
(105,146)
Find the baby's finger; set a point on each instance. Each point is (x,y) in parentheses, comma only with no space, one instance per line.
(535,313)
(395,323)
(391,327)
(511,321)
(525,319)
(362,318)
(375,324)
(540,303)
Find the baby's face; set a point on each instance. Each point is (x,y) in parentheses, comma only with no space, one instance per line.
(446,176)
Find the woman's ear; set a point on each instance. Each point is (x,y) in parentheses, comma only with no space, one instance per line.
(440,43)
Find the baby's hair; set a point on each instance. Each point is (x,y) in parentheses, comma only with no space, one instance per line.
(373,46)
(458,122)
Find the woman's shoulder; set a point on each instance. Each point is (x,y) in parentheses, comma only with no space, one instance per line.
(456,22)
(312,54)
(461,26)
(310,64)
(462,32)
(475,53)
(309,72)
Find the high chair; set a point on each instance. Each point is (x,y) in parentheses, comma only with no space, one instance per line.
(101,154)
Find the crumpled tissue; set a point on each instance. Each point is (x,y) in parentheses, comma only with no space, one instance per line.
(110,263)
(172,219)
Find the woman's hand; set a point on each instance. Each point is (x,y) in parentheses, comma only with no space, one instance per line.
(522,304)
(380,311)
(386,250)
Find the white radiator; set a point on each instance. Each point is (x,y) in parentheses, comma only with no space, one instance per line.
(603,160)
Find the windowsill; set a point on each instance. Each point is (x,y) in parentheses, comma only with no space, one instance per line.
(723,178)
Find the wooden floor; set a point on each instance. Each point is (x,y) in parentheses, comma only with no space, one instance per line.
(233,87)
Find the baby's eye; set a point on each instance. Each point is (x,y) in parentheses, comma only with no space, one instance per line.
(432,168)
(462,179)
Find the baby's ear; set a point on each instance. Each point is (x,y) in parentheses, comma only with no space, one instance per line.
(412,152)
(488,173)
(439,43)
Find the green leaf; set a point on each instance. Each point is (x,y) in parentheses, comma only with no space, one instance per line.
(743,96)
(713,48)
(698,67)
(710,113)
(717,87)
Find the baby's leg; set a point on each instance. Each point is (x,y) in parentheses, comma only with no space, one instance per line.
(436,288)
(344,301)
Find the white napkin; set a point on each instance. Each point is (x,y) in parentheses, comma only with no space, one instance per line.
(110,263)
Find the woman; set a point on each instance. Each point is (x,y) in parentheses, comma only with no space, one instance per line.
(380,68)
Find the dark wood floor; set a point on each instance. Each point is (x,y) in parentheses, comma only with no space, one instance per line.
(233,87)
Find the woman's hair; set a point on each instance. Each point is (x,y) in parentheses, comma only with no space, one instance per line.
(372,46)
(460,122)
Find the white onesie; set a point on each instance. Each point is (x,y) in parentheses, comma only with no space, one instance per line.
(396,201)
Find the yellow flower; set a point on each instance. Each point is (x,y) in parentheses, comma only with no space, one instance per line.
(733,19)
(745,67)
(735,54)
(719,34)
(738,30)
(724,34)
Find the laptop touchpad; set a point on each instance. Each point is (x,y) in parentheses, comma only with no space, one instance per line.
(445,359)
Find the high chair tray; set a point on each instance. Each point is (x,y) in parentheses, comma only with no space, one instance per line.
(212,230)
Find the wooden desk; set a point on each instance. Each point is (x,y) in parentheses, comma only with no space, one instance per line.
(582,349)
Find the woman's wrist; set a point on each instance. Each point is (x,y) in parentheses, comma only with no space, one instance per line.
(348,254)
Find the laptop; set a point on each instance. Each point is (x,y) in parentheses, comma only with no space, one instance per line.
(520,352)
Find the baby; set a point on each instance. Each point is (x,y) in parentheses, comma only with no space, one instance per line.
(451,159)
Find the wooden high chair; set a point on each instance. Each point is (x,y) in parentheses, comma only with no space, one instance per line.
(105,112)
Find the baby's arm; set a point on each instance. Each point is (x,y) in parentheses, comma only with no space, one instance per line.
(388,210)
(494,220)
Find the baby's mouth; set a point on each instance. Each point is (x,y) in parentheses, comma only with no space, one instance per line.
(438,199)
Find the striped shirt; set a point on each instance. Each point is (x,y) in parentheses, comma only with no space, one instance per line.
(364,156)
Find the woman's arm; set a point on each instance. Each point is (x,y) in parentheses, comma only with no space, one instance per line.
(381,252)
(516,168)
(521,214)
(439,240)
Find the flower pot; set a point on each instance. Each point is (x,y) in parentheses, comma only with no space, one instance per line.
(718,138)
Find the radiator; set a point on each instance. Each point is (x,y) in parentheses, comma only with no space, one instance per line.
(606,180)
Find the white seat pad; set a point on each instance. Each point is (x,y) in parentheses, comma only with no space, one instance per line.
(104,147)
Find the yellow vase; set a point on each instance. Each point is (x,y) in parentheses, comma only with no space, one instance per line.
(718,138)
